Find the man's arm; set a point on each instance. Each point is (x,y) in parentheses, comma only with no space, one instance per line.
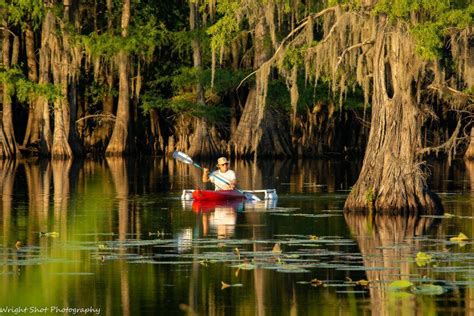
(205,175)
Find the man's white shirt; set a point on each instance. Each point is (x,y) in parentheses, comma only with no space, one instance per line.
(229,175)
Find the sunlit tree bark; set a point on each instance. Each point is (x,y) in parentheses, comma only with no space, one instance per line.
(8,145)
(391,179)
(42,103)
(120,141)
(32,134)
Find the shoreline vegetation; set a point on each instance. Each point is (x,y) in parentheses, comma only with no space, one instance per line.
(388,80)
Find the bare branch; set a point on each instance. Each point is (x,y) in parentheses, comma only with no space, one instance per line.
(446,146)
(103,116)
(345,51)
(461,99)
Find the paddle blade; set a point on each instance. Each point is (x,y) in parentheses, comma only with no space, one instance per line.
(178,155)
(251,197)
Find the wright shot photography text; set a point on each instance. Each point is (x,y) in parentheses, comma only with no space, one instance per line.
(18,310)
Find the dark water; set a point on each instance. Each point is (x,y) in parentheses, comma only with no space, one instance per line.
(114,235)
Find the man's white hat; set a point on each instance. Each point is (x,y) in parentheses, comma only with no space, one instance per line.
(222,160)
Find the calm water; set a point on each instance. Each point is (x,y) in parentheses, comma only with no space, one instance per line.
(114,235)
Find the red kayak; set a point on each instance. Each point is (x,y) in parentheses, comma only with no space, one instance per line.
(222,195)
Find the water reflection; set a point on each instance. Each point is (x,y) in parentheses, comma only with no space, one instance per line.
(116,236)
(388,245)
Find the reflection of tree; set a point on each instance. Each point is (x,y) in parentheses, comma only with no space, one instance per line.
(38,180)
(61,170)
(470,171)
(118,170)
(7,176)
(387,245)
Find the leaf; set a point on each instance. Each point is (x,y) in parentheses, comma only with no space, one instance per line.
(224,285)
(237,252)
(50,234)
(362,282)
(313,237)
(400,285)
(459,238)
(245,266)
(316,282)
(428,289)
(422,259)
(276,248)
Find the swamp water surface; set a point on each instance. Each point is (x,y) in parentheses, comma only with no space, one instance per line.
(114,235)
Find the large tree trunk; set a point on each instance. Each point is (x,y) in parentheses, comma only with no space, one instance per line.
(60,67)
(203,143)
(8,145)
(119,143)
(391,179)
(42,104)
(32,134)
(65,59)
(61,148)
(261,130)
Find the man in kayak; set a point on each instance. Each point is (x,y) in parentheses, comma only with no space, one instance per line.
(224,173)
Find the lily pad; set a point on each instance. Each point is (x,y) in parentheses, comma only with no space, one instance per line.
(400,285)
(422,259)
(459,238)
(428,289)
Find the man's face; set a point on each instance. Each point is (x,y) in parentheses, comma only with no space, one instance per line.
(224,167)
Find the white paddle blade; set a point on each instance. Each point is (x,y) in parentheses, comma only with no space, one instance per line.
(178,155)
(251,197)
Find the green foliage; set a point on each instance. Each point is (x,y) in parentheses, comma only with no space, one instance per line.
(429,21)
(141,41)
(227,27)
(96,92)
(369,197)
(22,11)
(293,57)
(26,90)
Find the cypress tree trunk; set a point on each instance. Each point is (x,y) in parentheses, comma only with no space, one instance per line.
(32,134)
(42,104)
(119,143)
(61,148)
(8,145)
(391,179)
(61,64)
(203,143)
(261,130)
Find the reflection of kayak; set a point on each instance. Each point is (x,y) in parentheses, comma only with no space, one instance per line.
(209,206)
(223,195)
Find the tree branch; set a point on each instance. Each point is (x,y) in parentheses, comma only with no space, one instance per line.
(282,44)
(447,146)
(461,98)
(345,51)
